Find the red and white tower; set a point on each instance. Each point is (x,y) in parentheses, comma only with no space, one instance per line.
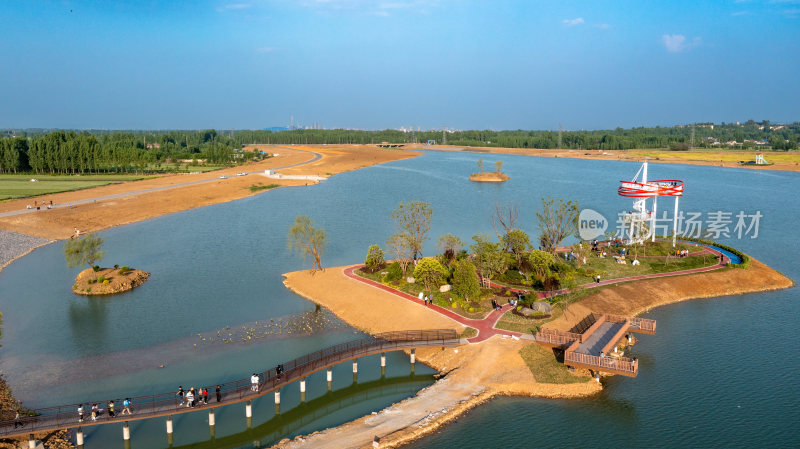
(636,221)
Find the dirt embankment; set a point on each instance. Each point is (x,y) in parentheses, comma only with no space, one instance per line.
(130,206)
(636,297)
(478,372)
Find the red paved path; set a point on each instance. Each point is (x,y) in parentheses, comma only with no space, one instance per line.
(485,326)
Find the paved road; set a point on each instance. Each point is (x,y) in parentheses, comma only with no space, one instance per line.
(317,156)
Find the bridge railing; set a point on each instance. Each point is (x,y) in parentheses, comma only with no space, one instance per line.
(556,337)
(636,323)
(66,416)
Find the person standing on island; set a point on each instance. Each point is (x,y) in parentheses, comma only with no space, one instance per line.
(219,393)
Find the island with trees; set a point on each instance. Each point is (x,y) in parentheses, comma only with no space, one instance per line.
(95,280)
(494,176)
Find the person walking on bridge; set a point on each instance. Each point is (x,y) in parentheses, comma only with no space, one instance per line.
(254,382)
(219,393)
(126,406)
(205,396)
(180,394)
(111,412)
(80,413)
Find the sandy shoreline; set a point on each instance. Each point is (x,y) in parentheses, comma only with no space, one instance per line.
(470,381)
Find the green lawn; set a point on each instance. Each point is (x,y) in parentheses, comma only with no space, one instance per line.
(20,186)
(546,368)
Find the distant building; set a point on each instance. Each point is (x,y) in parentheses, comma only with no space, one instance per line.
(153,145)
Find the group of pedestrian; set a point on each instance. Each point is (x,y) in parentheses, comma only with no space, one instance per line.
(196,396)
(96,411)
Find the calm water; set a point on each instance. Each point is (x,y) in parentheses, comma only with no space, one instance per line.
(702,382)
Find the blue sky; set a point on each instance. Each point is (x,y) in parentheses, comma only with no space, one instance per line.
(464,64)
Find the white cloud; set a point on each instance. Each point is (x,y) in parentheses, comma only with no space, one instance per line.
(603,26)
(572,22)
(676,43)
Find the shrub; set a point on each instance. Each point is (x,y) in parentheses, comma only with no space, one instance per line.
(125,268)
(393,273)
(101,279)
(105,282)
(375,258)
(96,268)
(116,266)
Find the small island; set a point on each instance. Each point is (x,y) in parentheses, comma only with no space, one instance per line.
(95,280)
(495,176)
(108,281)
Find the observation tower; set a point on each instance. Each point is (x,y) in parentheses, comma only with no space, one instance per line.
(639,188)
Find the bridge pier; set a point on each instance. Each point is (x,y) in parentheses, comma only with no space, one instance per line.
(126,434)
(248,413)
(383,364)
(277,402)
(329,376)
(413,359)
(355,371)
(169,431)
(79,437)
(31,442)
(302,390)
(211,424)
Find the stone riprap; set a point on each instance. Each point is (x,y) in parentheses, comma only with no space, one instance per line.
(14,245)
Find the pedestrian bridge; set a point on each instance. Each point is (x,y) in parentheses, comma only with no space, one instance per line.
(168,404)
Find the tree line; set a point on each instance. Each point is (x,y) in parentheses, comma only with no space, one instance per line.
(60,151)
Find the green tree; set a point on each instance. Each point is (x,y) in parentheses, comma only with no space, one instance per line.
(85,250)
(516,242)
(307,240)
(430,272)
(498,165)
(465,280)
(375,258)
(557,221)
(540,261)
(489,256)
(413,220)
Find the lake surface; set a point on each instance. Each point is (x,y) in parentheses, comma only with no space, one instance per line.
(719,372)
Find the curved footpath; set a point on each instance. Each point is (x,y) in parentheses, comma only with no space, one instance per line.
(486,326)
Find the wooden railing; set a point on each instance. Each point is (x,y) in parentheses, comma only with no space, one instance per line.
(556,337)
(66,416)
(637,324)
(620,364)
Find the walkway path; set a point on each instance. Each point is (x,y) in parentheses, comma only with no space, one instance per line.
(167,404)
(316,157)
(486,326)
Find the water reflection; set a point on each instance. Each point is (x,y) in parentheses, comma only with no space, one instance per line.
(88,318)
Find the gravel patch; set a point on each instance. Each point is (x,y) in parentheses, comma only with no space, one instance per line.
(14,245)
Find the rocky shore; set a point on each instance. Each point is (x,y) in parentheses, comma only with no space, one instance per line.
(14,245)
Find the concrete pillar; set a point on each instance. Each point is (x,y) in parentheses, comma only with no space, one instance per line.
(277,402)
(248,413)
(383,364)
(329,376)
(303,390)
(212,429)
(413,360)
(169,431)
(31,442)
(79,437)
(126,431)
(355,370)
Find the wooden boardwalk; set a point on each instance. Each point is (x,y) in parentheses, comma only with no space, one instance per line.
(166,404)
